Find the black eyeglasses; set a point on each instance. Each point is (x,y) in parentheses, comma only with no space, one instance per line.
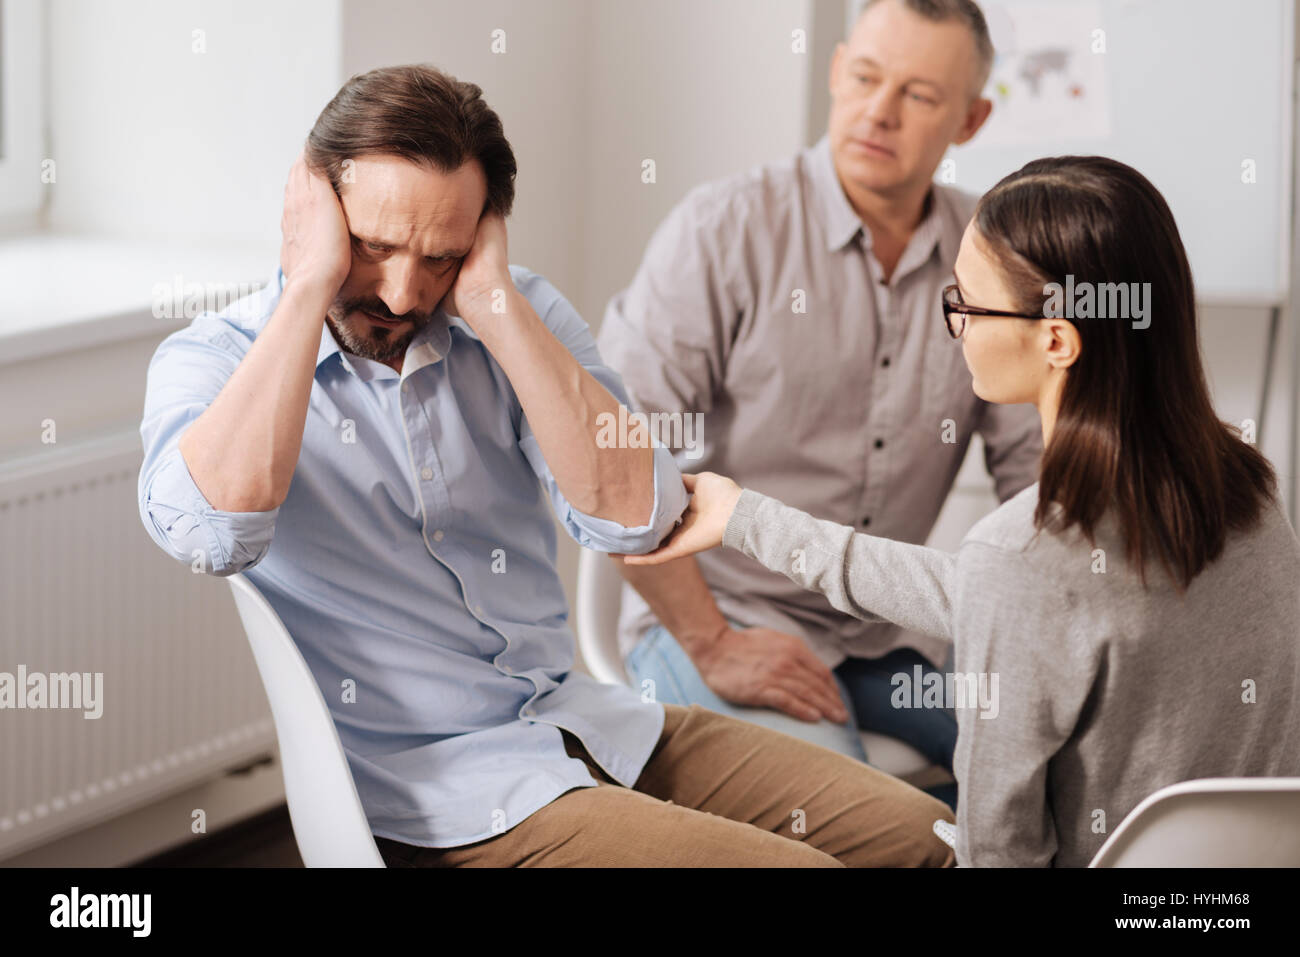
(955,312)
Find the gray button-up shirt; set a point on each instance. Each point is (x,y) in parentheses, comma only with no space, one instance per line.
(760,306)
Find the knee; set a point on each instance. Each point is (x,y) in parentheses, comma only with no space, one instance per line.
(815,858)
(924,847)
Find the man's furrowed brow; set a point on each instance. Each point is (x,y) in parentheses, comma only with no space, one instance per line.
(449,254)
(441,256)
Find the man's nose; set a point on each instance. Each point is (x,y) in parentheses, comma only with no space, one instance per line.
(882,106)
(401,285)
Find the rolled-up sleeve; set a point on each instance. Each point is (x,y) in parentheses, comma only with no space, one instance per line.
(670,498)
(187,371)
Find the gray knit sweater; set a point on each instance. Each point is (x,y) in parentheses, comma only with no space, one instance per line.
(1077,692)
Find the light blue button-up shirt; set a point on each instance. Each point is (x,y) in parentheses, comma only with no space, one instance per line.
(414,560)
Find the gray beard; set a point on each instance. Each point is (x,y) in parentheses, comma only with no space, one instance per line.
(377,343)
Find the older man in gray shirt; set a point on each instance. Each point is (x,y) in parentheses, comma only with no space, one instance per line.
(795,310)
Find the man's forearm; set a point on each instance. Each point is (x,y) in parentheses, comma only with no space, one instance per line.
(680,598)
(242,451)
(563,403)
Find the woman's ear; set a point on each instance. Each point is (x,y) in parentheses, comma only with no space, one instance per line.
(1061,342)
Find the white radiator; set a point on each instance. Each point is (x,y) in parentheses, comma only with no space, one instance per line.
(84,590)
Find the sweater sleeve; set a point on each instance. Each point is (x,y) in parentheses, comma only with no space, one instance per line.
(871,578)
(1016,638)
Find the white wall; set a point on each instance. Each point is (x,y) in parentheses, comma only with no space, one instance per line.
(154,140)
(703,89)
(22,115)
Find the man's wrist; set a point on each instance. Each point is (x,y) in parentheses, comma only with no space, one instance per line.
(698,640)
(493,302)
(313,295)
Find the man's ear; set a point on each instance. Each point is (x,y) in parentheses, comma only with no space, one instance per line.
(836,58)
(976,115)
(1063,344)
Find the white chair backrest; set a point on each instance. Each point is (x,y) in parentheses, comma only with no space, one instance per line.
(1211,822)
(329,823)
(600,594)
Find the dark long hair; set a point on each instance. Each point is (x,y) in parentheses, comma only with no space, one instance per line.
(1136,430)
(421,114)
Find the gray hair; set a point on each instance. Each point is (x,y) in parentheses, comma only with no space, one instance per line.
(968,13)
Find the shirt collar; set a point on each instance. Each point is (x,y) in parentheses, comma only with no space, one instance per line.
(843,223)
(948,223)
(430,344)
(930,232)
(841,220)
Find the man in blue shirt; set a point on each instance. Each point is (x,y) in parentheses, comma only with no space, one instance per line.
(394,409)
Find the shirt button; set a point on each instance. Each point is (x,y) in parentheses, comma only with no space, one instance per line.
(437,536)
(404,385)
(529,711)
(426,473)
(880,443)
(478,609)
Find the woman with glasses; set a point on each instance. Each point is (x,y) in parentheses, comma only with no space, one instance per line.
(1131,620)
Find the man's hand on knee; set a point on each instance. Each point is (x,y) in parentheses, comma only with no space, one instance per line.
(761,667)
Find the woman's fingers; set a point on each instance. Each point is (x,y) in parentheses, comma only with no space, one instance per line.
(674,546)
(701,526)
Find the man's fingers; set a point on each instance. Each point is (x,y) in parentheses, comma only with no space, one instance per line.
(801,669)
(827,701)
(780,699)
(813,665)
(828,692)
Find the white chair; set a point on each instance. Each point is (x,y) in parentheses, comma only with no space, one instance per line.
(600,595)
(1211,822)
(328,821)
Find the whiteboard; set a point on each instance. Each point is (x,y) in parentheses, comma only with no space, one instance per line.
(1192,90)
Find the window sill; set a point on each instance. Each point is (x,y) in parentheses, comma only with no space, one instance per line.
(65,291)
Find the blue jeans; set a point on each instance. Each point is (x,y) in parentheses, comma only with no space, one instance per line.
(864,685)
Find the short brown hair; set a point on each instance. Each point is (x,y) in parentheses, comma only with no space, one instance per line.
(968,13)
(421,114)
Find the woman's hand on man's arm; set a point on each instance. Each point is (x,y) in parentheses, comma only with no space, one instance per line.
(713,498)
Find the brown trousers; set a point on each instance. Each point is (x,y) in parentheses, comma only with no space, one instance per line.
(716,792)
